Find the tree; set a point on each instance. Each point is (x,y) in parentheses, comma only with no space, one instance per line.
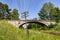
(55,14)
(0,10)
(15,14)
(44,12)
(25,15)
(7,13)
(4,11)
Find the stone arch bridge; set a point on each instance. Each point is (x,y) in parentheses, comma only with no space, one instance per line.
(19,23)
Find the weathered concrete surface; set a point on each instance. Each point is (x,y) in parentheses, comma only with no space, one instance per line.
(17,23)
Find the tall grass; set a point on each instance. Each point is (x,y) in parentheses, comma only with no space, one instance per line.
(10,32)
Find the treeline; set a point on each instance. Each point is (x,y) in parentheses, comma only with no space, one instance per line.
(49,12)
(7,13)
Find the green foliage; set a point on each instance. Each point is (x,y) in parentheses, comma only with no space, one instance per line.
(6,13)
(39,27)
(55,14)
(57,27)
(45,10)
(15,15)
(51,26)
(10,32)
(49,12)
(34,26)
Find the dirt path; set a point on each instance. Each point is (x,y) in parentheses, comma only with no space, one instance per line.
(53,33)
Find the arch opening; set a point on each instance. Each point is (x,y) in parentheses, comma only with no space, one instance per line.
(42,24)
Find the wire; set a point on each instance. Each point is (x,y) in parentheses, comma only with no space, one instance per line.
(17,3)
(6,1)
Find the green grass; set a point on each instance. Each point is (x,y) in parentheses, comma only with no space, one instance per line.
(57,28)
(10,32)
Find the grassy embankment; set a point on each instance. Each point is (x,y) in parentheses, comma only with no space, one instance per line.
(10,32)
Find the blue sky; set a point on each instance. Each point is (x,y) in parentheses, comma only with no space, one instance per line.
(32,6)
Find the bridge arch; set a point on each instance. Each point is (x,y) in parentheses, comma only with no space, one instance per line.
(42,24)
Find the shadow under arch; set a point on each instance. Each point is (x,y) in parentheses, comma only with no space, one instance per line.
(42,24)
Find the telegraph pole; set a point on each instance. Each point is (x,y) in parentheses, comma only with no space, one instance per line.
(25,15)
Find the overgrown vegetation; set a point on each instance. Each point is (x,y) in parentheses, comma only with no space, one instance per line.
(39,27)
(49,12)
(7,13)
(10,32)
